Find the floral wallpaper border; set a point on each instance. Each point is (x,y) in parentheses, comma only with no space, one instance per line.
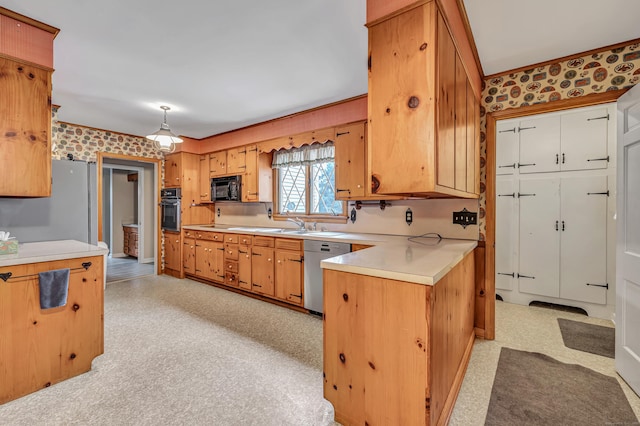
(606,70)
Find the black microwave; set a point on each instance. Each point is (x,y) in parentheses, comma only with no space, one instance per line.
(226,188)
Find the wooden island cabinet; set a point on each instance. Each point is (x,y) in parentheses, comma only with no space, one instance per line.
(403,356)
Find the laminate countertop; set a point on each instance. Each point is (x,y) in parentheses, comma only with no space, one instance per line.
(46,251)
(419,260)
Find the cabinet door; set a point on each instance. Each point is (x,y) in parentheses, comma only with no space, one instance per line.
(205,259)
(540,145)
(189,256)
(237,160)
(262,270)
(539,250)
(172,259)
(218,261)
(218,163)
(250,178)
(583,243)
(349,161)
(584,137)
(505,232)
(289,276)
(446,146)
(460,115)
(204,179)
(244,267)
(172,171)
(507,139)
(25,129)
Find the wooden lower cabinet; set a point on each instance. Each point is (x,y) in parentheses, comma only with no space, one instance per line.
(244,267)
(262,271)
(39,348)
(210,260)
(130,240)
(189,256)
(172,253)
(403,356)
(289,271)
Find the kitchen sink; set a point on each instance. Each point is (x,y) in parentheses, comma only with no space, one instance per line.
(324,233)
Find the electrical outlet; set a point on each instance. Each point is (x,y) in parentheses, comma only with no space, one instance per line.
(465,218)
(353,215)
(218,212)
(408,217)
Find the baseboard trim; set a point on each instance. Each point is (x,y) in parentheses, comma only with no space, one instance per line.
(118,255)
(147,260)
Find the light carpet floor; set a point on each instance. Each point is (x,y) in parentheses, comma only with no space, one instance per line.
(183,353)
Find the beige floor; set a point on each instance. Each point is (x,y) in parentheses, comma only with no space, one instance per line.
(529,329)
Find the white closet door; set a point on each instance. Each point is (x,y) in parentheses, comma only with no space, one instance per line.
(583,239)
(539,234)
(506,148)
(505,232)
(540,145)
(584,140)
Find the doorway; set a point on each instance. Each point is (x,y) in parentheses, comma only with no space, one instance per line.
(128,197)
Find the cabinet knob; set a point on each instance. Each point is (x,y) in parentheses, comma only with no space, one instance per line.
(230,266)
(230,252)
(279,261)
(247,256)
(269,260)
(177,241)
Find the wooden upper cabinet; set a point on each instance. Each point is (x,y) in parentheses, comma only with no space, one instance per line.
(257,179)
(418,108)
(26,39)
(173,170)
(204,180)
(349,144)
(237,160)
(25,130)
(218,163)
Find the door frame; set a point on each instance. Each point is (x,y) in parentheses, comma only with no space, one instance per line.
(101,156)
(490,194)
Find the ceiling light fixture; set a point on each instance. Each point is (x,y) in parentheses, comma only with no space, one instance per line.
(163,139)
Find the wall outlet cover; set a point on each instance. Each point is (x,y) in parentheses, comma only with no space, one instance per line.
(465,218)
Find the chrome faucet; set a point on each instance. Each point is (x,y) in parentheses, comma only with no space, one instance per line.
(299,222)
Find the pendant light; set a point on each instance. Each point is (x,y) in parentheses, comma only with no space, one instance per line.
(163,139)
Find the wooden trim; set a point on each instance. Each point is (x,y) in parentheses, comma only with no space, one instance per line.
(565,58)
(383,16)
(103,130)
(484,311)
(449,403)
(100,155)
(312,218)
(22,61)
(470,38)
(29,21)
(490,220)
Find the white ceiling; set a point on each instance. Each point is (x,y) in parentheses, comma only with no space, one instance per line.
(222,65)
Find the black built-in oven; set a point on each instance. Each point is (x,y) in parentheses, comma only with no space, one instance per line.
(170,209)
(226,188)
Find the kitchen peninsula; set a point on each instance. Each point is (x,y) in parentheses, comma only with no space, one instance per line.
(40,347)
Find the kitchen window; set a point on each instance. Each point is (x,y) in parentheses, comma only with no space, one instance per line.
(305,179)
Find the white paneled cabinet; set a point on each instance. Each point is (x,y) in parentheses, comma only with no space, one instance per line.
(555,207)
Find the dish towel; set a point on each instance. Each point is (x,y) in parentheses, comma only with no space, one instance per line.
(54,288)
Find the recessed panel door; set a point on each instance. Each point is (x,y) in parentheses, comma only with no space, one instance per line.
(507,139)
(539,145)
(506,217)
(583,142)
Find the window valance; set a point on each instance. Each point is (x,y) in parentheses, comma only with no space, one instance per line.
(308,154)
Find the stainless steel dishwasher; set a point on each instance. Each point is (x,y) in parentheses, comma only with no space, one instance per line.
(314,252)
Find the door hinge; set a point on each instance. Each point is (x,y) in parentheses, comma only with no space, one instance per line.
(599,118)
(525,164)
(598,193)
(526,195)
(256,254)
(599,159)
(296,295)
(342,133)
(525,276)
(508,130)
(512,275)
(508,166)
(507,195)
(296,260)
(525,128)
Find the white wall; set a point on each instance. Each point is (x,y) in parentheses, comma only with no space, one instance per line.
(428,216)
(122,208)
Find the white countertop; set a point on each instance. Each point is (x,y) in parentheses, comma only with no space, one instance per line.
(394,257)
(46,251)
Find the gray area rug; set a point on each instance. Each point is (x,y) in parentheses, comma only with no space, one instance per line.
(595,339)
(534,389)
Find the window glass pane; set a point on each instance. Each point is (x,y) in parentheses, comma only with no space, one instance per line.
(292,185)
(323,189)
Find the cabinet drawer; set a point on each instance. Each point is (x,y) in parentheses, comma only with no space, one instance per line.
(189,234)
(286,244)
(211,236)
(230,266)
(230,251)
(245,239)
(231,238)
(259,241)
(231,279)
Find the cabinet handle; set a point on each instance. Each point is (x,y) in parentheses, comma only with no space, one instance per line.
(563,158)
(557,158)
(563,226)
(556,225)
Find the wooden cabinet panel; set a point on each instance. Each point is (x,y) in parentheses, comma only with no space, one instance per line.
(218,163)
(244,267)
(262,270)
(473,141)
(189,256)
(25,130)
(350,161)
(237,160)
(204,179)
(289,276)
(210,260)
(356,247)
(172,252)
(42,347)
(460,116)
(257,181)
(231,251)
(173,170)
(446,147)
(130,240)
